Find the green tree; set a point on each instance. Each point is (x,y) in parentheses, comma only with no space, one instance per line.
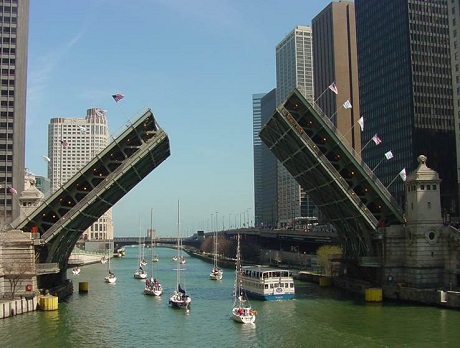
(326,254)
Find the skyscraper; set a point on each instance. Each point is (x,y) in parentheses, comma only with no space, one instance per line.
(454,32)
(406,90)
(335,62)
(265,164)
(72,143)
(294,69)
(14,24)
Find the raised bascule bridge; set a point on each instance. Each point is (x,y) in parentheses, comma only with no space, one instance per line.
(58,222)
(336,178)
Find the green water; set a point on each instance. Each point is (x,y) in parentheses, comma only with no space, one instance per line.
(121,315)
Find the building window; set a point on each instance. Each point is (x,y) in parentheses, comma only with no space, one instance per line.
(429,205)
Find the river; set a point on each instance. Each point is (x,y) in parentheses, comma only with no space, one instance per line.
(120,315)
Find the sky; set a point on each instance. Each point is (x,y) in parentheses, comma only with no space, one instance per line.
(196,64)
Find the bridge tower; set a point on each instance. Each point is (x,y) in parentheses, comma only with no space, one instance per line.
(425,245)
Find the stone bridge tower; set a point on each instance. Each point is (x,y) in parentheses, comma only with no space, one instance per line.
(424,232)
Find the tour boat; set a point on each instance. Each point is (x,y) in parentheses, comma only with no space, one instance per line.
(265,283)
(242,311)
(180,298)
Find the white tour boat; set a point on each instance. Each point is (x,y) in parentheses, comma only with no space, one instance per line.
(265,283)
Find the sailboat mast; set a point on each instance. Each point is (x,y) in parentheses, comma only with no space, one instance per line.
(178,243)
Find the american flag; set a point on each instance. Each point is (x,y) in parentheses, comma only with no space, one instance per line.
(376,139)
(333,88)
(117,97)
(64,143)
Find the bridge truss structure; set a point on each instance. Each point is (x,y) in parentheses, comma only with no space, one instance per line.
(334,175)
(109,176)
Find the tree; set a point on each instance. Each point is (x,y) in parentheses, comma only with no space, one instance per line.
(17,273)
(326,255)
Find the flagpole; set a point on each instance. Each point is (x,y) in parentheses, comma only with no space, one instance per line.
(373,170)
(321,94)
(330,118)
(392,181)
(365,146)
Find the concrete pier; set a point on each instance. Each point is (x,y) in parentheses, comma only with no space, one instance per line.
(11,308)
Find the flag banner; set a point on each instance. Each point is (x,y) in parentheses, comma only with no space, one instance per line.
(389,155)
(13,190)
(376,139)
(64,143)
(402,174)
(82,129)
(347,104)
(46,158)
(361,123)
(117,97)
(333,88)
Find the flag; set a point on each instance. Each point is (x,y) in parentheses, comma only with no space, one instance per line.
(46,158)
(361,123)
(13,190)
(82,129)
(389,155)
(64,143)
(333,88)
(117,97)
(402,174)
(376,139)
(347,104)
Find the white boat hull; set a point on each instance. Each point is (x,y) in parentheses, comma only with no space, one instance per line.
(110,279)
(178,300)
(216,275)
(140,275)
(243,315)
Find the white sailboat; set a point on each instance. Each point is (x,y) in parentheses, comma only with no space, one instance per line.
(110,277)
(216,272)
(141,273)
(242,311)
(180,298)
(152,286)
(76,270)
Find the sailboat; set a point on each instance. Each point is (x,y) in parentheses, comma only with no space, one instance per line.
(110,277)
(180,298)
(216,272)
(242,311)
(152,286)
(141,273)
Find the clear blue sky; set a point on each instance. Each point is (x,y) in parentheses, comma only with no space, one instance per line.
(196,64)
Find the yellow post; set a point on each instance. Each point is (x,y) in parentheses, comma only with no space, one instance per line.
(48,303)
(373,295)
(325,281)
(83,287)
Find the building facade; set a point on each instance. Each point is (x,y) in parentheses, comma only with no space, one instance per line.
(454,32)
(294,69)
(14,24)
(72,143)
(265,164)
(405,91)
(335,61)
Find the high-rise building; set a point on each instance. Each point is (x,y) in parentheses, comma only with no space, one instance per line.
(265,164)
(14,28)
(72,143)
(405,90)
(335,64)
(454,32)
(294,69)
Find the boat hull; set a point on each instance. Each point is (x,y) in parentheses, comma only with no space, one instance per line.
(153,292)
(179,301)
(244,316)
(139,275)
(110,280)
(269,297)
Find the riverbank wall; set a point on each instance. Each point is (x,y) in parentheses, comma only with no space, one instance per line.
(11,308)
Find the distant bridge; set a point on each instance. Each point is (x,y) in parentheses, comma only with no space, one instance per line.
(58,223)
(303,241)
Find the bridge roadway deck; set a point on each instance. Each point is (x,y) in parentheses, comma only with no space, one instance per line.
(59,222)
(334,176)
